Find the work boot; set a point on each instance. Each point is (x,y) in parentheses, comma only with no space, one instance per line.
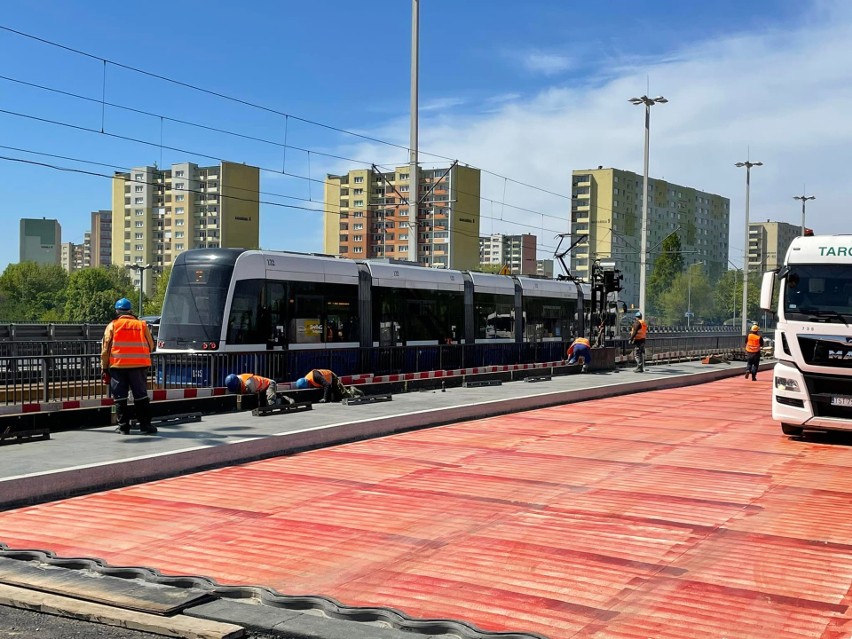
(143,414)
(122,416)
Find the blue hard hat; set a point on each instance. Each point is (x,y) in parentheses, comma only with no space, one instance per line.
(123,304)
(302,383)
(638,313)
(234,383)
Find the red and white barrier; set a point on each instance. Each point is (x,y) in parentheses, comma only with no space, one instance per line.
(154,396)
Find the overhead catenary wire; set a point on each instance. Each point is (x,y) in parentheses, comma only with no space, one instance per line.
(250,104)
(385,166)
(256,200)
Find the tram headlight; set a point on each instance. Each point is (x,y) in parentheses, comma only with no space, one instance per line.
(786,384)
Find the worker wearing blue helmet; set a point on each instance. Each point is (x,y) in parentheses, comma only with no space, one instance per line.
(125,360)
(638,334)
(265,388)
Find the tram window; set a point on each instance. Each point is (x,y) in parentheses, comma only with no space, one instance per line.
(244,320)
(321,312)
(494,316)
(417,315)
(549,317)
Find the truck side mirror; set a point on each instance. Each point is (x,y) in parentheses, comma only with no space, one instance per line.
(767,292)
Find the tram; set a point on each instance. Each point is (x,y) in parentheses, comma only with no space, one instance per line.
(242,301)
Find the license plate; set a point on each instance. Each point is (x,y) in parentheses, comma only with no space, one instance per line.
(840,400)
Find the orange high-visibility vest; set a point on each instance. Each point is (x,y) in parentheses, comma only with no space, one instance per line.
(582,340)
(754,343)
(327,374)
(642,332)
(129,348)
(262,382)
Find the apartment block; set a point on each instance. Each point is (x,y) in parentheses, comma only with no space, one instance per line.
(768,243)
(606,206)
(99,243)
(544,268)
(72,256)
(159,213)
(516,252)
(367,216)
(40,241)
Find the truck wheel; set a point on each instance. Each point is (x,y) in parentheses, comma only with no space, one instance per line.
(792,431)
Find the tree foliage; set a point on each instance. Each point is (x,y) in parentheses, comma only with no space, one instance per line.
(667,267)
(689,291)
(92,293)
(32,292)
(154,304)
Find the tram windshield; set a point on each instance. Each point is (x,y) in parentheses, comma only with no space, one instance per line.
(195,303)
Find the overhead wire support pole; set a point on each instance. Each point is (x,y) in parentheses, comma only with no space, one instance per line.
(414,184)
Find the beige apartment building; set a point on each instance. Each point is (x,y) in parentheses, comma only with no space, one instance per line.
(159,213)
(515,252)
(606,206)
(768,243)
(367,216)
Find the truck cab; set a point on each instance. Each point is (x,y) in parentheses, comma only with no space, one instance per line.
(811,294)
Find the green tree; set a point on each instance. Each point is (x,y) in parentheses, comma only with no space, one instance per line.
(667,267)
(31,292)
(92,293)
(688,291)
(728,297)
(154,304)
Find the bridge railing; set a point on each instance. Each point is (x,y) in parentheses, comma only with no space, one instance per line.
(48,376)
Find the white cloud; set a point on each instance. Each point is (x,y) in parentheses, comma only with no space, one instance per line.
(786,96)
(545,63)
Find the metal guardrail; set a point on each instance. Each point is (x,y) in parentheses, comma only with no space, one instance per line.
(76,376)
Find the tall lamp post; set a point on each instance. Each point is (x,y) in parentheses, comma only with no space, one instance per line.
(747,164)
(643,258)
(141,270)
(804,198)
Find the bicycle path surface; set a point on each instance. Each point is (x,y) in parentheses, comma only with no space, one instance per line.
(664,504)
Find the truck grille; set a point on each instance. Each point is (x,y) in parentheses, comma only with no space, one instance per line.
(821,388)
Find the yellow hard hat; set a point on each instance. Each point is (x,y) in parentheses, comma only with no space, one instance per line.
(755,327)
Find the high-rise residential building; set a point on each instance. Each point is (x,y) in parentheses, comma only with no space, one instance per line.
(544,268)
(516,252)
(606,206)
(159,213)
(367,216)
(40,241)
(72,256)
(100,239)
(768,243)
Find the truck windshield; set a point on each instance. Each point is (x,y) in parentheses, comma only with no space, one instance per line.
(819,293)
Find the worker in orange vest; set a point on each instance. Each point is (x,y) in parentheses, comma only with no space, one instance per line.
(333,388)
(638,334)
(248,383)
(125,360)
(752,348)
(580,348)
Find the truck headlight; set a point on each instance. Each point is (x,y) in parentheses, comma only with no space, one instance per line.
(787,384)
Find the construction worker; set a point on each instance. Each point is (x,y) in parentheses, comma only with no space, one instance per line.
(248,383)
(580,348)
(753,344)
(333,388)
(125,360)
(638,334)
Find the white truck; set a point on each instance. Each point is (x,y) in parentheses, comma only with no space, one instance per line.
(812,381)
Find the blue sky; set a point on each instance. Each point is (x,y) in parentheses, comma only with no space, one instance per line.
(527,91)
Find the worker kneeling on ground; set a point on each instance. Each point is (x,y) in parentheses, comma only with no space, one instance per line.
(580,348)
(265,388)
(332,388)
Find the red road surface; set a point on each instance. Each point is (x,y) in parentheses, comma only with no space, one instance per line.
(677,513)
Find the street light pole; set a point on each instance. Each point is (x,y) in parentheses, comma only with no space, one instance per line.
(747,164)
(643,258)
(141,270)
(804,198)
